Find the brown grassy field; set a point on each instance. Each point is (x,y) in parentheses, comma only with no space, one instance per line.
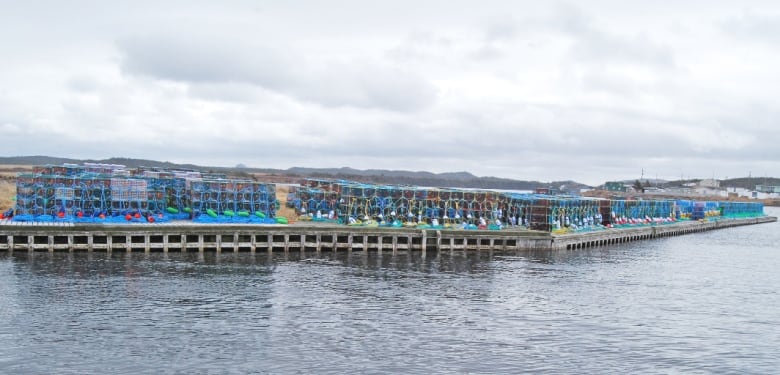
(281,195)
(13,168)
(8,184)
(7,193)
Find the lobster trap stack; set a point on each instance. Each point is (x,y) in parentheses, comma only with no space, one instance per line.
(419,204)
(317,196)
(360,201)
(128,195)
(632,211)
(107,191)
(741,209)
(167,193)
(60,192)
(230,197)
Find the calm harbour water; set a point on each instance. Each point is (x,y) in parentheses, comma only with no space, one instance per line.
(702,303)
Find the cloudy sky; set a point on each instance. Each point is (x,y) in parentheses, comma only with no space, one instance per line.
(590,90)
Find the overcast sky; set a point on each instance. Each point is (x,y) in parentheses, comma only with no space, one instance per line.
(532,90)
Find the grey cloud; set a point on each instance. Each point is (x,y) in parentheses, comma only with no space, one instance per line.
(197,59)
(486,52)
(83,84)
(498,36)
(606,133)
(10,129)
(752,27)
(368,86)
(571,19)
(604,48)
(358,84)
(423,47)
(503,29)
(227,92)
(593,44)
(599,80)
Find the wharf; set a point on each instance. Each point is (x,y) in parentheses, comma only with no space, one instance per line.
(621,235)
(186,236)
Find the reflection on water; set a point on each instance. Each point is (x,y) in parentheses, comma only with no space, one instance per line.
(705,302)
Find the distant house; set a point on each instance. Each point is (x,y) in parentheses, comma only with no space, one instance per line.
(681,190)
(710,191)
(546,191)
(710,187)
(653,189)
(615,186)
(754,194)
(739,192)
(762,195)
(709,183)
(767,189)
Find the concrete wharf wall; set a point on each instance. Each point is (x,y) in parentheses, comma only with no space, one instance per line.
(623,235)
(187,236)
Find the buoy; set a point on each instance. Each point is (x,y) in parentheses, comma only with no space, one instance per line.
(187,209)
(281,220)
(172,210)
(211,213)
(128,217)
(102,216)
(229,213)
(260,214)
(137,215)
(80,214)
(150,219)
(243,213)
(60,214)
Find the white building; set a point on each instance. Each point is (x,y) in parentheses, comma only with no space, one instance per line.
(754,194)
(710,191)
(709,183)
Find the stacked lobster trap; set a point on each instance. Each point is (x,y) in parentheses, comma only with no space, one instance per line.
(50,195)
(360,201)
(697,210)
(232,197)
(546,212)
(108,191)
(352,201)
(315,197)
(740,209)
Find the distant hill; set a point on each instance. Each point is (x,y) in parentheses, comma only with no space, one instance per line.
(378,176)
(131,163)
(380,172)
(35,160)
(418,178)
